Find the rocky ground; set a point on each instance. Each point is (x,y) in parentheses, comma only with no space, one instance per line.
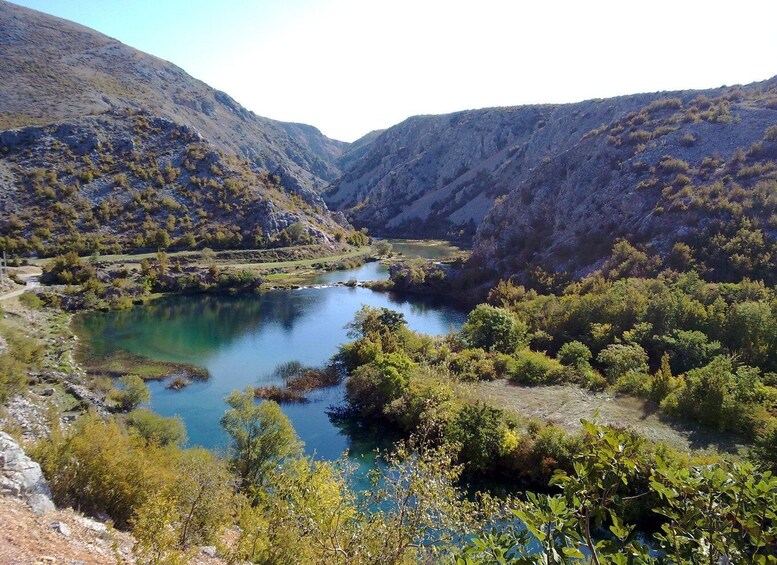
(65,537)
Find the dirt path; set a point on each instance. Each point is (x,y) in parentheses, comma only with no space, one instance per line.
(566,405)
(31,277)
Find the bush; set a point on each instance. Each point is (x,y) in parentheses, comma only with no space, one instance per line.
(133,393)
(155,429)
(23,355)
(99,469)
(534,367)
(618,359)
(472,365)
(31,300)
(480,431)
(493,329)
(634,383)
(574,354)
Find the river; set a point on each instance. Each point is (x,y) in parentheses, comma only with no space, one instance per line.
(240,340)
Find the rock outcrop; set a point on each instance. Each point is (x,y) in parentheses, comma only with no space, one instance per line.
(22,478)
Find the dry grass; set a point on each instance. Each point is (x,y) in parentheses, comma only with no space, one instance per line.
(566,405)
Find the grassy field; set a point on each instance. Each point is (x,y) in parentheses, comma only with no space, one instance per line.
(305,255)
(566,405)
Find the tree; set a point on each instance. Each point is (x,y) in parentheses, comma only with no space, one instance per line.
(574,354)
(159,239)
(493,329)
(156,429)
(375,322)
(133,393)
(480,431)
(618,359)
(262,438)
(203,492)
(383,248)
(208,257)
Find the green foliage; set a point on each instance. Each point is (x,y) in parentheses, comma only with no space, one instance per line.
(97,467)
(31,300)
(22,355)
(133,393)
(534,367)
(67,269)
(203,495)
(472,365)
(493,329)
(620,359)
(481,433)
(261,438)
(714,513)
(689,349)
(375,385)
(383,248)
(375,323)
(155,534)
(358,238)
(721,395)
(574,354)
(156,429)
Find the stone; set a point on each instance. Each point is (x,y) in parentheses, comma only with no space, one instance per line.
(22,478)
(61,527)
(40,504)
(208,550)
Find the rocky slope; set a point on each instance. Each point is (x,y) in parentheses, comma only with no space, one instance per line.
(439,175)
(689,168)
(125,180)
(559,184)
(54,71)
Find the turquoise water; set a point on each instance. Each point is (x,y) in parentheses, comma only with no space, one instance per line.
(242,339)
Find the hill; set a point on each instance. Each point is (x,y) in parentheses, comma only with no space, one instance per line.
(127,180)
(557,185)
(55,70)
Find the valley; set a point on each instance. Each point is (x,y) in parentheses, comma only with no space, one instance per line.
(530,334)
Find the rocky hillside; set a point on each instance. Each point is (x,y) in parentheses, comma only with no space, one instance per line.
(127,180)
(440,175)
(688,175)
(56,71)
(559,184)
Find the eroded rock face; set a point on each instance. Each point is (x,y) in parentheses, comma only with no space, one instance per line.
(22,478)
(439,176)
(558,185)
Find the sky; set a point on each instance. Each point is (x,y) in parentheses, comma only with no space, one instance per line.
(352,66)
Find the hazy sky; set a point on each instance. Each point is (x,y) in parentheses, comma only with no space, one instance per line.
(351,66)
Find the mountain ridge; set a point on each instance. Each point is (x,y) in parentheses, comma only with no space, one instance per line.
(57,70)
(553,184)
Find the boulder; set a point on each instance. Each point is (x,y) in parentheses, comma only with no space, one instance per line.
(21,477)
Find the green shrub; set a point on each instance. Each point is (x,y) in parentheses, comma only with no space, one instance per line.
(494,329)
(31,300)
(133,393)
(617,359)
(634,383)
(534,367)
(472,365)
(480,431)
(156,429)
(574,354)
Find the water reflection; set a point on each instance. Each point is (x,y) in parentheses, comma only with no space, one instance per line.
(242,339)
